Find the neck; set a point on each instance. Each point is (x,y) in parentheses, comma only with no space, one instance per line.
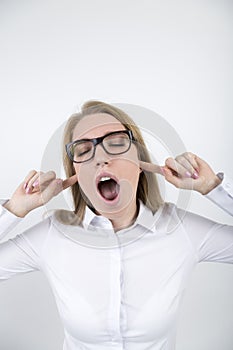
(126,218)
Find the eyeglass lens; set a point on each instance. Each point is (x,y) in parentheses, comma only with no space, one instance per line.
(113,144)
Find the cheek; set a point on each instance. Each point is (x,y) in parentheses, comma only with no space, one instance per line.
(86,178)
(129,165)
(129,173)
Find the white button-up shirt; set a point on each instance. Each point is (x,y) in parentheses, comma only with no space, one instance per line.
(119,290)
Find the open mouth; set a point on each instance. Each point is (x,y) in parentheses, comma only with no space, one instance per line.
(108,187)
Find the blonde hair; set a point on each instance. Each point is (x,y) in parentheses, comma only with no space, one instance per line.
(148,189)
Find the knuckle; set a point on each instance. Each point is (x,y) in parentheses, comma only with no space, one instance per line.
(182,154)
(189,155)
(180,158)
(169,160)
(52,174)
(30,176)
(32,172)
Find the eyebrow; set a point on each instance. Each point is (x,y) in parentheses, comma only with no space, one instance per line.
(108,132)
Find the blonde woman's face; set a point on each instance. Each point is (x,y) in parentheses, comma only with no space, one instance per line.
(109,181)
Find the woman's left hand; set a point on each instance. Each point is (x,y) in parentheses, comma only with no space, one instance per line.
(186,171)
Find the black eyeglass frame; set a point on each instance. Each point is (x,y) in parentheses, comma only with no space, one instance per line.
(96,141)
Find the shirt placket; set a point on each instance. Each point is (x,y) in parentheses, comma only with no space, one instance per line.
(117,316)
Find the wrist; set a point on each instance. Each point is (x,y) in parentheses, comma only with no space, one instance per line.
(14,210)
(210,185)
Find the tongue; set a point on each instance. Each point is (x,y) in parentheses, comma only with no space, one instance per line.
(108,189)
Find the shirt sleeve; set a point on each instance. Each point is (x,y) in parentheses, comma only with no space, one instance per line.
(210,240)
(23,253)
(222,195)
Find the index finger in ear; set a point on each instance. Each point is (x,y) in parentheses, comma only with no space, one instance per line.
(69,182)
(150,167)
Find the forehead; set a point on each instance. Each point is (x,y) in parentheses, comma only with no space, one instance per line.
(95,125)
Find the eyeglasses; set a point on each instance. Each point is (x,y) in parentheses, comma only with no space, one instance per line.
(116,142)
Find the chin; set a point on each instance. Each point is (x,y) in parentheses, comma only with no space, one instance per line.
(112,209)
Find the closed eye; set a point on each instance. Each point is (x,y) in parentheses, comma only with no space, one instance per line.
(82,149)
(79,154)
(117,144)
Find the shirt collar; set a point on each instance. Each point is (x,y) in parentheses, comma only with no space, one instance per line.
(145,219)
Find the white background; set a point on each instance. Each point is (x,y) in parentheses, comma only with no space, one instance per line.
(173,57)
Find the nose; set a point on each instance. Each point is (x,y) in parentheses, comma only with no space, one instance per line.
(101,157)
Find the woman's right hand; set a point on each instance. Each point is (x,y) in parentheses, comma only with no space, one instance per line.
(36,190)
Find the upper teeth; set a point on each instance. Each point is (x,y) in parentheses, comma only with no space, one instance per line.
(105,178)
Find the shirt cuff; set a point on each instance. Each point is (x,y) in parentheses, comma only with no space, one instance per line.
(222,195)
(7,219)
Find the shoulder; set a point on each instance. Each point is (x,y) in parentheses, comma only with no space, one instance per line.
(66,217)
(167,218)
(173,217)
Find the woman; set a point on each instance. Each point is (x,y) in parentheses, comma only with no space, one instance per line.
(121,290)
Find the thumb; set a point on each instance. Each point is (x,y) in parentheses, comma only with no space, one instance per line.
(69,182)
